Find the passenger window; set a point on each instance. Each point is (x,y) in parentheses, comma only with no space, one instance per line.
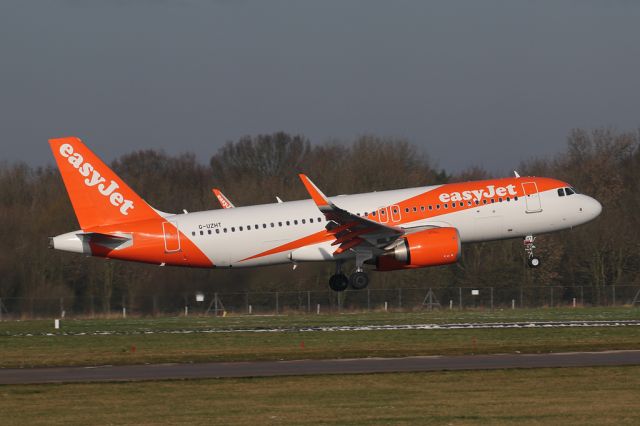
(406,210)
(477,203)
(515,198)
(469,203)
(273,225)
(240,228)
(303,221)
(500,199)
(233,229)
(508,199)
(311,220)
(217,231)
(193,233)
(415,209)
(422,208)
(453,205)
(209,231)
(382,212)
(561,192)
(264,225)
(224,230)
(256,226)
(446,206)
(201,233)
(319,220)
(279,223)
(437,206)
(484,201)
(430,207)
(295,222)
(288,223)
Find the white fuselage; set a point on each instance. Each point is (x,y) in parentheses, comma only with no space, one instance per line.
(271,233)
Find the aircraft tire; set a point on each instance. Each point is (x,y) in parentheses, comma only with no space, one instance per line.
(338,282)
(359,280)
(534,262)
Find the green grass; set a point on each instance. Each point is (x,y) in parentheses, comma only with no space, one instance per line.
(40,350)
(131,325)
(591,396)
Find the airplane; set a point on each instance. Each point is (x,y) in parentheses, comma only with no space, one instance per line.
(224,201)
(389,230)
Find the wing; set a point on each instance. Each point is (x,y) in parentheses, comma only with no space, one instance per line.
(351,231)
(224,201)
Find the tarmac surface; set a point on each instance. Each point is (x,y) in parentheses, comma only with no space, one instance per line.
(315,367)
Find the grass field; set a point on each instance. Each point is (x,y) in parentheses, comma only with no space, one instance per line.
(130,325)
(587,396)
(149,340)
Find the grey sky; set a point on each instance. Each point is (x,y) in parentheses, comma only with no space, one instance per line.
(473,82)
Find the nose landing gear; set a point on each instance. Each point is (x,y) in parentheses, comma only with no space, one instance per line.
(529,248)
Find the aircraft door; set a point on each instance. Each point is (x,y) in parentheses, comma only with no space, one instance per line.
(532,197)
(395,213)
(171,237)
(383,214)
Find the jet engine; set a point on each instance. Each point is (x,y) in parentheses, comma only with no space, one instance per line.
(431,247)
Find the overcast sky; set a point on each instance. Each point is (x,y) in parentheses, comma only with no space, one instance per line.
(486,83)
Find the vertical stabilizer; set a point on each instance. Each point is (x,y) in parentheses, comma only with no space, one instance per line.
(99,197)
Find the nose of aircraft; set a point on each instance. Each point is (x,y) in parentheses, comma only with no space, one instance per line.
(592,207)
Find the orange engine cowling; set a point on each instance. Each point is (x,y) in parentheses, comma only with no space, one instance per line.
(432,247)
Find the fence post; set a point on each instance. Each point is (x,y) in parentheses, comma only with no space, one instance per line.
(491,298)
(246,301)
(308,302)
(521,297)
(277,303)
(613,289)
(460,297)
(582,296)
(62,307)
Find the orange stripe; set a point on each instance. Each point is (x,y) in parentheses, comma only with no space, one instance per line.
(316,238)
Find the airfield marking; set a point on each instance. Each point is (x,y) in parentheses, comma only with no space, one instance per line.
(390,327)
(316,367)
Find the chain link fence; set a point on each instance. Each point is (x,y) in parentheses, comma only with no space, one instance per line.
(321,302)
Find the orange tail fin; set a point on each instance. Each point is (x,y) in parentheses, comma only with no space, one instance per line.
(99,197)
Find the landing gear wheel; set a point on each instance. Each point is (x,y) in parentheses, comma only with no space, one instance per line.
(359,280)
(338,282)
(534,262)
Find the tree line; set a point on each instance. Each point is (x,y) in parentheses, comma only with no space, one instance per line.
(603,163)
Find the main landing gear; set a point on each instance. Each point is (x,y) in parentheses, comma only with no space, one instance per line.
(358,280)
(529,248)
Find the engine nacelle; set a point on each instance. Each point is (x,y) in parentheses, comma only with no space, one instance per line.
(432,247)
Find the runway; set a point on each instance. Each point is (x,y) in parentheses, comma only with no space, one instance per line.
(315,367)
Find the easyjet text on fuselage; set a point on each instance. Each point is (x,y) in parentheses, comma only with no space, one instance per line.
(489,191)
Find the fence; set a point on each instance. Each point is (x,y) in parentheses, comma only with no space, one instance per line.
(319,302)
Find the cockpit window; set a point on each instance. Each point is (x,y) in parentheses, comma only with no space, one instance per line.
(561,192)
(575,191)
(569,191)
